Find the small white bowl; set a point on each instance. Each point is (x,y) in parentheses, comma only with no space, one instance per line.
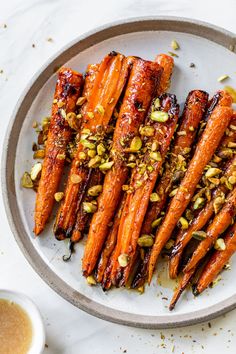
(38,338)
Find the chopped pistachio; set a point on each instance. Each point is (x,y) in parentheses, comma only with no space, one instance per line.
(35,171)
(39,154)
(58,196)
(125,187)
(75,178)
(157,103)
(232,179)
(145,241)
(81,100)
(189,215)
(169,244)
(199,202)
(90,115)
(63,113)
(228,185)
(101,149)
(72,120)
(199,235)
(79,116)
(217,159)
(182,133)
(174,44)
(82,155)
(156,222)
(231,144)
(88,144)
(215,181)
(86,131)
(173,192)
(26,181)
(191,128)
(89,207)
(94,162)
(215,282)
(225,153)
(131,164)
(94,191)
(154,146)
(212,171)
(106,166)
(183,222)
(141,289)
(150,168)
(100,109)
(222,78)
(123,260)
(154,197)
(61,156)
(155,155)
(60,104)
(90,280)
(136,144)
(220,244)
(91,153)
(159,116)
(173,54)
(35,124)
(147,131)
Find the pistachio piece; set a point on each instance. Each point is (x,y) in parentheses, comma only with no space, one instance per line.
(35,171)
(147,130)
(100,109)
(232,179)
(173,54)
(75,178)
(156,222)
(220,244)
(169,244)
(136,144)
(90,280)
(155,155)
(225,153)
(222,78)
(199,235)
(173,192)
(199,202)
(94,191)
(63,113)
(131,164)
(88,144)
(157,103)
(183,222)
(94,162)
(82,155)
(72,120)
(81,100)
(61,156)
(106,166)
(212,171)
(145,241)
(26,181)
(90,115)
(91,153)
(89,207)
(154,146)
(174,44)
(159,116)
(154,197)
(189,215)
(58,196)
(231,144)
(123,260)
(191,128)
(39,154)
(101,149)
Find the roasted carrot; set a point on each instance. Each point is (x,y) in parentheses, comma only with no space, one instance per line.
(109,244)
(108,85)
(219,224)
(216,125)
(217,262)
(82,217)
(193,113)
(184,236)
(140,89)
(167,63)
(68,89)
(181,287)
(143,179)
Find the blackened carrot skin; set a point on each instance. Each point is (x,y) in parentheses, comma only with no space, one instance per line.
(68,89)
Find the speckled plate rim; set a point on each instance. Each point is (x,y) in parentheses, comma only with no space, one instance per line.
(162,23)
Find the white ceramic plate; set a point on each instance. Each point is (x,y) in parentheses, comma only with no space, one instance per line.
(212,51)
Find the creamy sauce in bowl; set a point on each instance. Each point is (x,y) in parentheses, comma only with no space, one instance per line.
(16,331)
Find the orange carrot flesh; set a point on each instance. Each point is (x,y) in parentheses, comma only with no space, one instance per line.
(142,185)
(109,244)
(193,113)
(108,85)
(216,125)
(68,89)
(184,236)
(167,63)
(140,89)
(217,262)
(219,224)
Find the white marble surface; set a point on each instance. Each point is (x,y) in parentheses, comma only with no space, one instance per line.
(69,330)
